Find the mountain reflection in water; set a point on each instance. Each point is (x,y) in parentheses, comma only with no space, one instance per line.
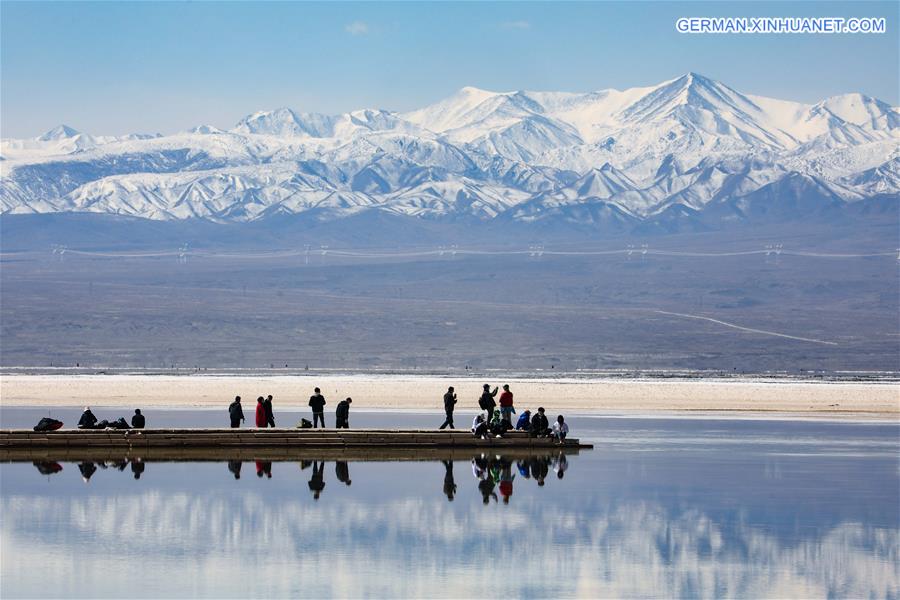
(657,509)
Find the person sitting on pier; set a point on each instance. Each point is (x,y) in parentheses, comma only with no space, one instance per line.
(317,403)
(479,427)
(342,414)
(486,402)
(236,413)
(87,420)
(540,427)
(498,426)
(560,429)
(524,422)
(261,413)
(138,421)
(270,416)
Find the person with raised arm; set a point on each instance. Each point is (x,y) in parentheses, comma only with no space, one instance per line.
(449,404)
(486,401)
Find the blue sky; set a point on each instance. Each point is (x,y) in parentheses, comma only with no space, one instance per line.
(112,68)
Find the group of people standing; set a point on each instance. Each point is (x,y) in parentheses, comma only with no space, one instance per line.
(265,416)
(496,419)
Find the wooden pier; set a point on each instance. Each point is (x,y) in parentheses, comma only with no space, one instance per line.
(24,444)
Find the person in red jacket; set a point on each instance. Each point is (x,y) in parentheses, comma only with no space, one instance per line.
(506,406)
(261,420)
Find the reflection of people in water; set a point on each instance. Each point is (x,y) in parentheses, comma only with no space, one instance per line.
(560,464)
(264,467)
(481,468)
(317,481)
(540,467)
(87,470)
(522,466)
(235,467)
(342,472)
(137,467)
(449,483)
(47,467)
(486,487)
(506,479)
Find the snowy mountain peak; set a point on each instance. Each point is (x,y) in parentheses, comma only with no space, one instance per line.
(58,133)
(206,130)
(855,108)
(623,156)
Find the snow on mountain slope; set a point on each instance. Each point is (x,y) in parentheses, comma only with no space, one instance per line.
(60,140)
(684,149)
(284,122)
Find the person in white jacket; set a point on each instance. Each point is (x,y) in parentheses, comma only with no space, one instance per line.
(560,429)
(479,427)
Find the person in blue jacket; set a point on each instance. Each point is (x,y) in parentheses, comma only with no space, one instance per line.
(524,422)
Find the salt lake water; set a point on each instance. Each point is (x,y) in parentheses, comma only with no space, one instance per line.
(662,506)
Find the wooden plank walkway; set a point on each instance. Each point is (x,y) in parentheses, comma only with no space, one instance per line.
(276,441)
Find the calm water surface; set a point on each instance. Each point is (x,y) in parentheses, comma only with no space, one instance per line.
(661,507)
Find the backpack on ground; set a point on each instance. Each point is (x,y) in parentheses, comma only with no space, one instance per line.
(48,424)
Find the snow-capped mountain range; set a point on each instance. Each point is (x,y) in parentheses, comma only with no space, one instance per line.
(678,151)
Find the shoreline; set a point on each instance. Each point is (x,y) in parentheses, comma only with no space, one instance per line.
(579,375)
(844,400)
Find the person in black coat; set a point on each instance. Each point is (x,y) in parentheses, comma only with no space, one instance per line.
(87,420)
(487,403)
(270,416)
(342,414)
(540,426)
(236,412)
(138,421)
(317,403)
(449,404)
